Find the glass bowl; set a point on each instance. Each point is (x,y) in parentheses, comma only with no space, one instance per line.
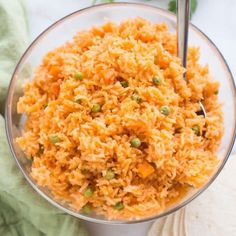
(62,31)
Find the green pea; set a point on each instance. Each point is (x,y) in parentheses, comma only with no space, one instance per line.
(79,75)
(96,108)
(135,142)
(196,129)
(54,139)
(87,208)
(110,174)
(136,97)
(156,80)
(165,110)
(88,192)
(124,83)
(119,206)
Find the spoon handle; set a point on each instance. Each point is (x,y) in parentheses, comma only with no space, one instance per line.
(183,7)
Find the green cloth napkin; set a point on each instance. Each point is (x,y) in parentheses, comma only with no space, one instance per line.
(13,41)
(22,211)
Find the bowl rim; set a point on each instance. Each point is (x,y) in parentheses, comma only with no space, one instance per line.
(8,119)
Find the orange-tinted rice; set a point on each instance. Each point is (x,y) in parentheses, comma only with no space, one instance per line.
(172,157)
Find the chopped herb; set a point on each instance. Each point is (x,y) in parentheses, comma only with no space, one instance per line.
(216,92)
(45,105)
(54,139)
(172,6)
(119,206)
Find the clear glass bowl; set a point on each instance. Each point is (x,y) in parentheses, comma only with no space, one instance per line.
(62,31)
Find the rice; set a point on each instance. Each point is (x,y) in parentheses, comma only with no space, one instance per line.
(74,149)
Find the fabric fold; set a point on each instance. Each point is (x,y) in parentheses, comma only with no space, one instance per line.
(13,41)
(22,210)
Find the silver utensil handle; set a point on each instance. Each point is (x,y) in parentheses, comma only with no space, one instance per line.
(183,13)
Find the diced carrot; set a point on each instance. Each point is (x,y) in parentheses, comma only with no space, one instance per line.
(55,88)
(109,27)
(145,170)
(97,31)
(127,45)
(54,70)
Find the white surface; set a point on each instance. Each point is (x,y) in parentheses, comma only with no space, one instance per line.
(216,18)
(211,214)
(118,230)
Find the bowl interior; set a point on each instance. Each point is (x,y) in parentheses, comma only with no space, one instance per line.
(63,31)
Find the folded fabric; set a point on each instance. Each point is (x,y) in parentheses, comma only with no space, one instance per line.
(13,41)
(22,210)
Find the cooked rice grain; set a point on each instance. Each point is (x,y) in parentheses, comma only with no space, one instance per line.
(92,142)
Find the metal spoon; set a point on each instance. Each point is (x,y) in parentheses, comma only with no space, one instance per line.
(183,13)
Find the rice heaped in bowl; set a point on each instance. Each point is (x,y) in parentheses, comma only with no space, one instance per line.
(112,125)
